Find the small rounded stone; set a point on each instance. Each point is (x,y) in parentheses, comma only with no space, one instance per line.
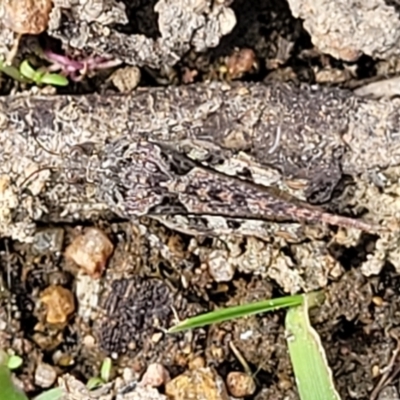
(60,304)
(90,251)
(45,375)
(126,79)
(155,376)
(219,266)
(240,384)
(27,16)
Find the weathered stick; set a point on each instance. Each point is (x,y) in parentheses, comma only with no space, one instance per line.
(315,134)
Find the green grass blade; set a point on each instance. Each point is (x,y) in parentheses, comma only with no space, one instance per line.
(229,313)
(313,376)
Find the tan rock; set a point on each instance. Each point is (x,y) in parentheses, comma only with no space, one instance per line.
(199,384)
(240,384)
(27,16)
(91,251)
(60,304)
(156,375)
(45,375)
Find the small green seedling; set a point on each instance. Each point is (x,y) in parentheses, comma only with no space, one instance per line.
(12,72)
(14,362)
(105,375)
(26,74)
(41,77)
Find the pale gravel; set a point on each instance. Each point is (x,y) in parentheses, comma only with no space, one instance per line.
(346,29)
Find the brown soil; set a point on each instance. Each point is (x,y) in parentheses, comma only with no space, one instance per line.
(358,325)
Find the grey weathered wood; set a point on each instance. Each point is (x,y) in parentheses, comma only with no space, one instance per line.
(310,133)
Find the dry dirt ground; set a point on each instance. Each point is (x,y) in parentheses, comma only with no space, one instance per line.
(140,289)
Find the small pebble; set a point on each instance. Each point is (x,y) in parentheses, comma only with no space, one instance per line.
(156,337)
(284,382)
(389,393)
(27,16)
(60,304)
(141,393)
(197,362)
(240,384)
(48,241)
(378,301)
(199,384)
(155,376)
(241,62)
(128,375)
(45,375)
(66,361)
(126,79)
(89,341)
(91,251)
(61,278)
(376,371)
(219,266)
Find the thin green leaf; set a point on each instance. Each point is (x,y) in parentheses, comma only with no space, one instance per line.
(51,394)
(313,376)
(237,312)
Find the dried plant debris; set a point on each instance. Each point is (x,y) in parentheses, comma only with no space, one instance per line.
(385,88)
(134,307)
(346,29)
(138,311)
(182,25)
